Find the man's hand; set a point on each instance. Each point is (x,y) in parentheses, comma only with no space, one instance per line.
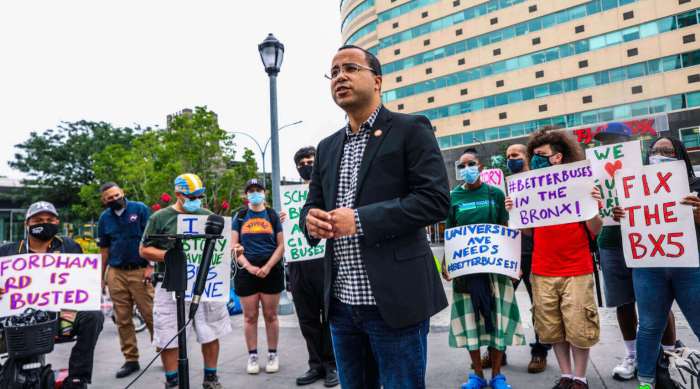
(693,201)
(318,224)
(147,273)
(343,220)
(283,217)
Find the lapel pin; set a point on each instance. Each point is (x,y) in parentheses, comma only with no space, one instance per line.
(378,133)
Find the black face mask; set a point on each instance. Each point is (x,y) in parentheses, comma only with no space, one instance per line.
(43,231)
(117,205)
(305,172)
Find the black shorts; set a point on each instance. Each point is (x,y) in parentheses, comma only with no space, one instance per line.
(246,284)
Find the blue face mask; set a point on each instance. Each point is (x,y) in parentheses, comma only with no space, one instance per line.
(256,198)
(515,165)
(192,205)
(539,162)
(470,174)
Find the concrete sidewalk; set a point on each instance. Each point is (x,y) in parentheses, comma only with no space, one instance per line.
(447,367)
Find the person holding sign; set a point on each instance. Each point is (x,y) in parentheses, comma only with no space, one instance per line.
(517,161)
(211,322)
(41,229)
(484,310)
(657,287)
(261,277)
(564,306)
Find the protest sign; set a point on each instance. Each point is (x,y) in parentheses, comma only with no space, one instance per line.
(50,282)
(296,248)
(219,276)
(657,231)
(494,177)
(482,248)
(554,195)
(605,161)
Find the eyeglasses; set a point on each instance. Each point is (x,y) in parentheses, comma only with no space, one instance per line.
(470,164)
(347,68)
(665,151)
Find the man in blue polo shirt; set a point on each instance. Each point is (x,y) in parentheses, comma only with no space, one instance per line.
(119,229)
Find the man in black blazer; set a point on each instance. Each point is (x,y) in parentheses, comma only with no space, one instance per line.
(375,185)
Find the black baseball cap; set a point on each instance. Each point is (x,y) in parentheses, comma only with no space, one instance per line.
(254,182)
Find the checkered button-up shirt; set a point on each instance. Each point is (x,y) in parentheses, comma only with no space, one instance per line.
(351,284)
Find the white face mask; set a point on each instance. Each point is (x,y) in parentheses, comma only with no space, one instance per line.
(657,159)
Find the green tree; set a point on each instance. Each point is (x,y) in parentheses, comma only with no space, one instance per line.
(59,162)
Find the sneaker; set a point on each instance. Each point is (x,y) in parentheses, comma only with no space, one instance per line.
(499,382)
(537,364)
(563,383)
(253,367)
(626,370)
(645,386)
(579,385)
(211,382)
(273,363)
(474,382)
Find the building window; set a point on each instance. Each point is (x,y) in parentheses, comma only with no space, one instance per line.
(539,74)
(587,99)
(693,78)
(536,41)
(458,32)
(690,137)
(503,115)
(400,107)
(431,99)
(466,122)
(579,29)
(395,25)
(460,61)
(496,52)
(689,38)
(494,21)
(636,89)
(628,15)
(463,91)
(424,14)
(455,3)
(399,78)
(632,52)
(683,1)
(543,108)
(532,8)
(499,83)
(429,71)
(426,42)
(397,51)
(583,64)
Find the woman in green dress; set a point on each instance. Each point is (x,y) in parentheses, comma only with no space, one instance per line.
(484,310)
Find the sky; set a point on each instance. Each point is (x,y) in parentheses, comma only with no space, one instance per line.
(134,62)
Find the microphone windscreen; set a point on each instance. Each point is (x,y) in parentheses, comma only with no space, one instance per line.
(214,225)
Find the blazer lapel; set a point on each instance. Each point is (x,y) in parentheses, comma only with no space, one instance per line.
(335,151)
(378,133)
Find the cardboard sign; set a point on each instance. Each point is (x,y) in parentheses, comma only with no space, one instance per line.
(482,248)
(494,177)
(554,195)
(219,277)
(50,282)
(657,231)
(605,161)
(296,248)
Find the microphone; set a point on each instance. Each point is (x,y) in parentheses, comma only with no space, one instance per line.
(212,229)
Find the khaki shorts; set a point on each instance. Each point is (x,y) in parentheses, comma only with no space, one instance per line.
(210,323)
(564,310)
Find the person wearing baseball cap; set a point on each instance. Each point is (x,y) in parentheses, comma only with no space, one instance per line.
(211,322)
(41,236)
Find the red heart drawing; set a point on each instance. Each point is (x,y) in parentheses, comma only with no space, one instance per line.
(611,168)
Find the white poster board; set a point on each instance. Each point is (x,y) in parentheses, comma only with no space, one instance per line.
(219,277)
(657,231)
(554,195)
(296,248)
(482,248)
(50,282)
(605,161)
(494,177)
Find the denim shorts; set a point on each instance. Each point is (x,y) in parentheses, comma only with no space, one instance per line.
(619,289)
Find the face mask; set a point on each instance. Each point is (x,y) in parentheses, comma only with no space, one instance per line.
(539,162)
(256,198)
(43,231)
(192,205)
(656,159)
(515,165)
(305,172)
(117,205)
(470,174)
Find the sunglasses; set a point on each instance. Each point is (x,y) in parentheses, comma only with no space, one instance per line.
(194,197)
(470,164)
